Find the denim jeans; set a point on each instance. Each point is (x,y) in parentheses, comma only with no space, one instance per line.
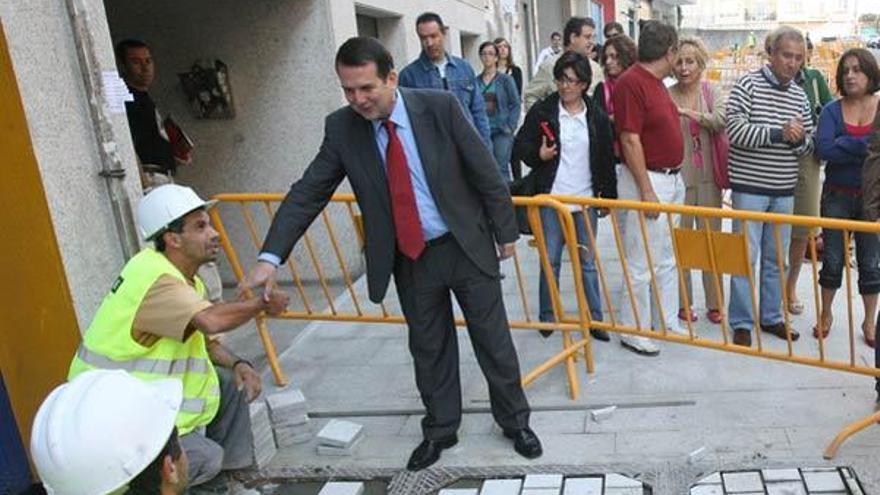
(555,240)
(502,145)
(762,242)
(837,204)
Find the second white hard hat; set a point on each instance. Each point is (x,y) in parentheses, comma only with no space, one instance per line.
(165,204)
(96,433)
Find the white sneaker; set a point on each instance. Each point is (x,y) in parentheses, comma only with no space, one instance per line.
(639,345)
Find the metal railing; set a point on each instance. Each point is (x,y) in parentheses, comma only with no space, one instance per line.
(716,252)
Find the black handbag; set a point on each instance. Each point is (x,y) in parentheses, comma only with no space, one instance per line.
(526,186)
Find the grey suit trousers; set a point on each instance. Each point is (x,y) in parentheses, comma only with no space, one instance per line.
(423,287)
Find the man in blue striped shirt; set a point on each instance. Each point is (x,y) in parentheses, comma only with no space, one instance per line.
(770,126)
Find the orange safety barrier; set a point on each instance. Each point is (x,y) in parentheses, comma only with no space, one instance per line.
(715,252)
(307,309)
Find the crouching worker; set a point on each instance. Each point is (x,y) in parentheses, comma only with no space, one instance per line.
(156,323)
(107,432)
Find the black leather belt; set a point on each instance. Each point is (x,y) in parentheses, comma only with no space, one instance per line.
(666,171)
(439,240)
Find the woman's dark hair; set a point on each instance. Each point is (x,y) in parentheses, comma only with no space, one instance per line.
(625,48)
(485,44)
(576,62)
(150,479)
(363,50)
(510,62)
(867,64)
(655,40)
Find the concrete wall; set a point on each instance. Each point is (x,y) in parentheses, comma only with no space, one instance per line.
(280,56)
(53,92)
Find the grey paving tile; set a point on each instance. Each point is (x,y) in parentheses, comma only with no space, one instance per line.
(342,488)
(707,489)
(542,481)
(786,488)
(501,487)
(824,481)
(458,491)
(714,478)
(743,482)
(339,433)
(582,486)
(781,475)
(614,480)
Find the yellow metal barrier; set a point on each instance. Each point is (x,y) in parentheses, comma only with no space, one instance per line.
(573,348)
(712,251)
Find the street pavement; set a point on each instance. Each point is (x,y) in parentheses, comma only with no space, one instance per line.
(679,417)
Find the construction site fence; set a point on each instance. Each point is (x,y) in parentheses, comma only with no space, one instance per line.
(706,248)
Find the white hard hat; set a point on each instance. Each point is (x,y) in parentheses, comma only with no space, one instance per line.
(165,204)
(96,433)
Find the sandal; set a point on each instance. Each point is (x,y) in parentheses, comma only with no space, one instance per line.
(715,316)
(825,331)
(795,307)
(687,315)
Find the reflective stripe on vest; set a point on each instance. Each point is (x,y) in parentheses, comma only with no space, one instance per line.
(144,365)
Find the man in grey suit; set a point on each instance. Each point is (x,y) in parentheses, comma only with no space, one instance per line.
(437,215)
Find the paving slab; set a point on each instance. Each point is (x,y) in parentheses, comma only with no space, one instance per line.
(582,486)
(542,481)
(501,487)
(749,413)
(342,488)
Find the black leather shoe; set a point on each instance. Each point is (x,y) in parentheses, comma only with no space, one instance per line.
(525,442)
(428,452)
(600,335)
(546,333)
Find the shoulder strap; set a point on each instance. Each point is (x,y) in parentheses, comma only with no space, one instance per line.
(707,95)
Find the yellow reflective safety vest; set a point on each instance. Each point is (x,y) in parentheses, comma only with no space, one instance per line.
(107,343)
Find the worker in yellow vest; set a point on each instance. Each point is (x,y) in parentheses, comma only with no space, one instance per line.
(156,323)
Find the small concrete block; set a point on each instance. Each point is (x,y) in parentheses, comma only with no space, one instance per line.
(542,481)
(824,481)
(598,415)
(786,488)
(286,399)
(615,480)
(501,487)
(743,482)
(582,486)
(458,491)
(714,478)
(540,491)
(342,488)
(707,489)
(339,433)
(331,451)
(771,475)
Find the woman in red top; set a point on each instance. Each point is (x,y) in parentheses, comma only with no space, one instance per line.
(842,138)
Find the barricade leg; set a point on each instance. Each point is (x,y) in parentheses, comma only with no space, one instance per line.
(850,430)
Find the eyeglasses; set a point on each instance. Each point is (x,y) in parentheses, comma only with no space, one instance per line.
(567,81)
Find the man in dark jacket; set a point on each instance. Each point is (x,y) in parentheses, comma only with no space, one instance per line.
(871,204)
(437,216)
(568,142)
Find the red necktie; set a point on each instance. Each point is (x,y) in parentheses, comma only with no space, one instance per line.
(407,225)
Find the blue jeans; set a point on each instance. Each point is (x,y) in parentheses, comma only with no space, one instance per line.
(761,242)
(837,204)
(555,244)
(502,145)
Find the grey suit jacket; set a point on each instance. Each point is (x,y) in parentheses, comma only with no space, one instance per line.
(467,187)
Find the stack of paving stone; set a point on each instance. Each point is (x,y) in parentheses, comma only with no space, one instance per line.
(290,418)
(339,438)
(261,429)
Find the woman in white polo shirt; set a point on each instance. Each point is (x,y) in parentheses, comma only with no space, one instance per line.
(568,142)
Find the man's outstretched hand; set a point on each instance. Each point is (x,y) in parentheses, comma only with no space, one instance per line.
(262,275)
